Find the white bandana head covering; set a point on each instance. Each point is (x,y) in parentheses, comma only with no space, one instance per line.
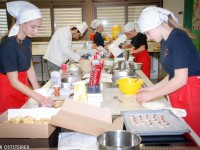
(82,27)
(95,23)
(23,11)
(152,17)
(130,26)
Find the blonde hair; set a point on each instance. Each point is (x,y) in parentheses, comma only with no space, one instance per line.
(173,24)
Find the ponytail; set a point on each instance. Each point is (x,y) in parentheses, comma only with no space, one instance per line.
(13,21)
(173,24)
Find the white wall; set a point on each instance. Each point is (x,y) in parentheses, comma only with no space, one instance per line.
(175,6)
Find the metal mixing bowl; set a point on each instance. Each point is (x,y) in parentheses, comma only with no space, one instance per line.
(134,65)
(119,140)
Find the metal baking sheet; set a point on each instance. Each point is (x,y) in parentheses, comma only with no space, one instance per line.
(154,122)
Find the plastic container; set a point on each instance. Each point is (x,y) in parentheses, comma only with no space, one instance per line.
(55,79)
(95,60)
(115,30)
(64,67)
(92,36)
(64,70)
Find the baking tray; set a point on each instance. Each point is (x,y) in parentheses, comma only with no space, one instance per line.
(154,122)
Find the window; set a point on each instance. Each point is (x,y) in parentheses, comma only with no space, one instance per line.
(67,17)
(3,22)
(61,17)
(45,29)
(112,15)
(119,14)
(134,12)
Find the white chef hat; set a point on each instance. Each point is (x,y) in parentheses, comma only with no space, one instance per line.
(152,17)
(130,26)
(82,27)
(95,23)
(23,11)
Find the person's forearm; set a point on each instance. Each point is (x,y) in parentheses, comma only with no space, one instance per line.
(138,50)
(161,83)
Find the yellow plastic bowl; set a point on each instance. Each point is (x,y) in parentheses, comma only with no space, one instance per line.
(130,85)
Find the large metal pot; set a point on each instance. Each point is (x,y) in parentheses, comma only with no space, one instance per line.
(119,140)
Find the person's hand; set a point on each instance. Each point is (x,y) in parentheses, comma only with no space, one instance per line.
(144,96)
(47,102)
(124,46)
(147,89)
(106,48)
(132,50)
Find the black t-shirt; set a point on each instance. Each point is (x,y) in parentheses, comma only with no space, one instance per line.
(98,39)
(139,40)
(178,52)
(15,56)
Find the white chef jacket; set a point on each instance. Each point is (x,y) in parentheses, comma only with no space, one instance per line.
(59,48)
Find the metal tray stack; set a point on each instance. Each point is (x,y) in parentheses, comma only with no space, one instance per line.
(154,122)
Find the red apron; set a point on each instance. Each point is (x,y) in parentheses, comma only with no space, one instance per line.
(10,97)
(144,58)
(188,98)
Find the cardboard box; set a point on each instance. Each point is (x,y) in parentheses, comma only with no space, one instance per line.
(11,130)
(85,118)
(73,115)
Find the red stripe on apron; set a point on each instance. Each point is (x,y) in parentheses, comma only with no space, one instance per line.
(188,98)
(144,58)
(10,97)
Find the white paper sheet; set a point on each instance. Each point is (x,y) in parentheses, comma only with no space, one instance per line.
(76,140)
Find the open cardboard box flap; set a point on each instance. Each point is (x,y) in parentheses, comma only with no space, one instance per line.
(84,118)
(11,130)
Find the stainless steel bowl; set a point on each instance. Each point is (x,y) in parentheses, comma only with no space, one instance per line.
(124,73)
(117,74)
(114,79)
(134,65)
(119,140)
(138,65)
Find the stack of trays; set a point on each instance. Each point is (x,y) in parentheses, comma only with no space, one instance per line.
(154,122)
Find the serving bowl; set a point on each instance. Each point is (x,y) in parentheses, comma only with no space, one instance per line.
(130,85)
